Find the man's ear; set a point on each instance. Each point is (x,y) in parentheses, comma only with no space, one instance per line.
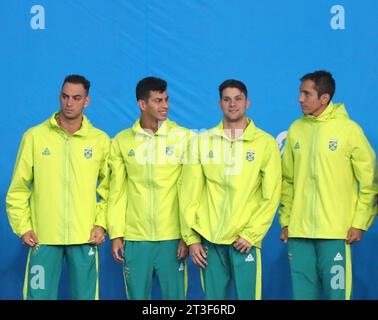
(247,103)
(142,105)
(86,101)
(325,98)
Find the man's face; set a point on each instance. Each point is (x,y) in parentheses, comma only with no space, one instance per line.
(156,107)
(73,99)
(234,104)
(310,103)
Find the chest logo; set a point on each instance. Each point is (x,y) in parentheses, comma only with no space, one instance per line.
(332,145)
(131,153)
(169,150)
(211,154)
(297,146)
(250,156)
(88,152)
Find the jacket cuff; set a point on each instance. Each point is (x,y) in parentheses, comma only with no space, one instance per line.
(115,235)
(101,224)
(250,238)
(191,239)
(23,229)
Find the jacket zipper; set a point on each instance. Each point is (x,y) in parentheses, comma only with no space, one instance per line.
(313,156)
(227,189)
(150,184)
(66,187)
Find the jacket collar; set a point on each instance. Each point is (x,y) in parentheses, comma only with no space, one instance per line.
(247,135)
(162,131)
(332,111)
(85,125)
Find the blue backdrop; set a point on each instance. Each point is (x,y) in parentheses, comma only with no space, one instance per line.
(194,45)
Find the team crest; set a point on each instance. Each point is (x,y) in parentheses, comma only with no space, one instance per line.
(88,152)
(211,154)
(131,153)
(332,144)
(169,150)
(250,156)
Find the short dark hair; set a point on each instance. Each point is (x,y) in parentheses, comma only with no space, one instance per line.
(78,79)
(323,81)
(231,83)
(148,84)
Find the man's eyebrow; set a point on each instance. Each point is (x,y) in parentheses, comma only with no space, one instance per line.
(74,96)
(239,95)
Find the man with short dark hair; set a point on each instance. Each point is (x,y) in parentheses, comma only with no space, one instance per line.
(234,187)
(327,193)
(51,202)
(143,218)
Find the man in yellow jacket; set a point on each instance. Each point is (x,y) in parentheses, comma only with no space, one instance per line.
(328,192)
(376,182)
(143,217)
(229,196)
(51,202)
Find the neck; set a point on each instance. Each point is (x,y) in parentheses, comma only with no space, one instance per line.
(69,125)
(150,125)
(234,129)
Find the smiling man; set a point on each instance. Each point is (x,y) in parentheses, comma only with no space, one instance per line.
(234,185)
(143,217)
(51,202)
(327,193)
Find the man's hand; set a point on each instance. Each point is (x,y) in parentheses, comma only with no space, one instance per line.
(118,251)
(97,235)
(198,254)
(284,234)
(354,235)
(242,245)
(182,250)
(30,239)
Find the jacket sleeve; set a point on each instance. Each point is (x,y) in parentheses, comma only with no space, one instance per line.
(116,217)
(262,219)
(192,182)
(103,187)
(376,185)
(287,193)
(17,201)
(364,166)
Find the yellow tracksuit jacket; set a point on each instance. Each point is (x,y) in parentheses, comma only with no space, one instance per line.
(145,178)
(328,176)
(232,189)
(55,181)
